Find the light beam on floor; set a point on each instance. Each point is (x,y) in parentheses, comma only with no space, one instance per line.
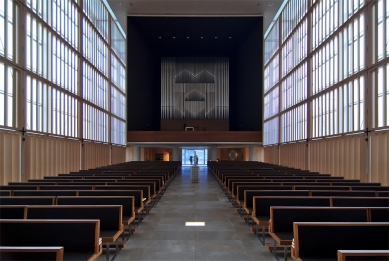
(195,224)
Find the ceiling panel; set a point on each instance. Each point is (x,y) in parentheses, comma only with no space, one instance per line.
(265,8)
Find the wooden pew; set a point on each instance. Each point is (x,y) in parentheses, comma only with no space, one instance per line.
(110,217)
(79,238)
(31,253)
(45,193)
(4,193)
(360,202)
(261,207)
(363,255)
(322,240)
(342,193)
(282,218)
(13,212)
(102,199)
(27,200)
(19,187)
(250,194)
(378,214)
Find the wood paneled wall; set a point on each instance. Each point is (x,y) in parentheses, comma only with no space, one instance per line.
(95,155)
(198,125)
(350,157)
(48,156)
(294,155)
(379,157)
(118,154)
(344,156)
(10,157)
(272,155)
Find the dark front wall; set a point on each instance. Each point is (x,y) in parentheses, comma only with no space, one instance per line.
(246,84)
(143,83)
(144,69)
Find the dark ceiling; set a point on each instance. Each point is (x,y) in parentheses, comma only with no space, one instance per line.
(194,36)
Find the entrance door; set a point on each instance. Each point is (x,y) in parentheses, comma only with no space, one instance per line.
(188,156)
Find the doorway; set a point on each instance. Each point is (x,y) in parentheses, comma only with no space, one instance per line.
(201,153)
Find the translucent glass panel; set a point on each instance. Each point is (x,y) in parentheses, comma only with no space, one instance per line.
(95,87)
(7,34)
(271,74)
(118,131)
(340,57)
(294,124)
(65,20)
(272,103)
(292,14)
(98,15)
(118,103)
(380,97)
(272,42)
(350,7)
(118,42)
(50,110)
(325,66)
(95,124)
(340,110)
(294,87)
(295,49)
(271,131)
(94,48)
(8,80)
(118,73)
(325,20)
(352,42)
(380,30)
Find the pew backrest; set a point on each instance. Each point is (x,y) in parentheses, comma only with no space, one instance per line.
(323,239)
(31,253)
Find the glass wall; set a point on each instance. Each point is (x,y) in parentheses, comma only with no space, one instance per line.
(334,64)
(189,159)
(65,73)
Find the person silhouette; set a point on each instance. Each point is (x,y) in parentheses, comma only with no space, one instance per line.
(191,160)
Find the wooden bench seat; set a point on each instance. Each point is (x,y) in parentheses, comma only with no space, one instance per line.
(13,212)
(4,193)
(28,200)
(363,255)
(31,253)
(110,217)
(342,193)
(79,238)
(360,202)
(261,207)
(282,218)
(322,240)
(45,193)
(248,196)
(128,203)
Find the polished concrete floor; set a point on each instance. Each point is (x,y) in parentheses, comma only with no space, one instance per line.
(163,235)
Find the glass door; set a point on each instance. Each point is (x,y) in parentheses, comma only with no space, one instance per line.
(188,158)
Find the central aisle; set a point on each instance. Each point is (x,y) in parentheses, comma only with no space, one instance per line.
(164,236)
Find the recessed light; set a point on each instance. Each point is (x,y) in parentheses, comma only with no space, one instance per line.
(187,37)
(230,37)
(174,37)
(271,4)
(215,37)
(159,37)
(202,37)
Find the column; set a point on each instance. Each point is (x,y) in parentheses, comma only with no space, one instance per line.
(253,156)
(212,153)
(137,153)
(176,154)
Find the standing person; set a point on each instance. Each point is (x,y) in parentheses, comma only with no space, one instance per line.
(191,160)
